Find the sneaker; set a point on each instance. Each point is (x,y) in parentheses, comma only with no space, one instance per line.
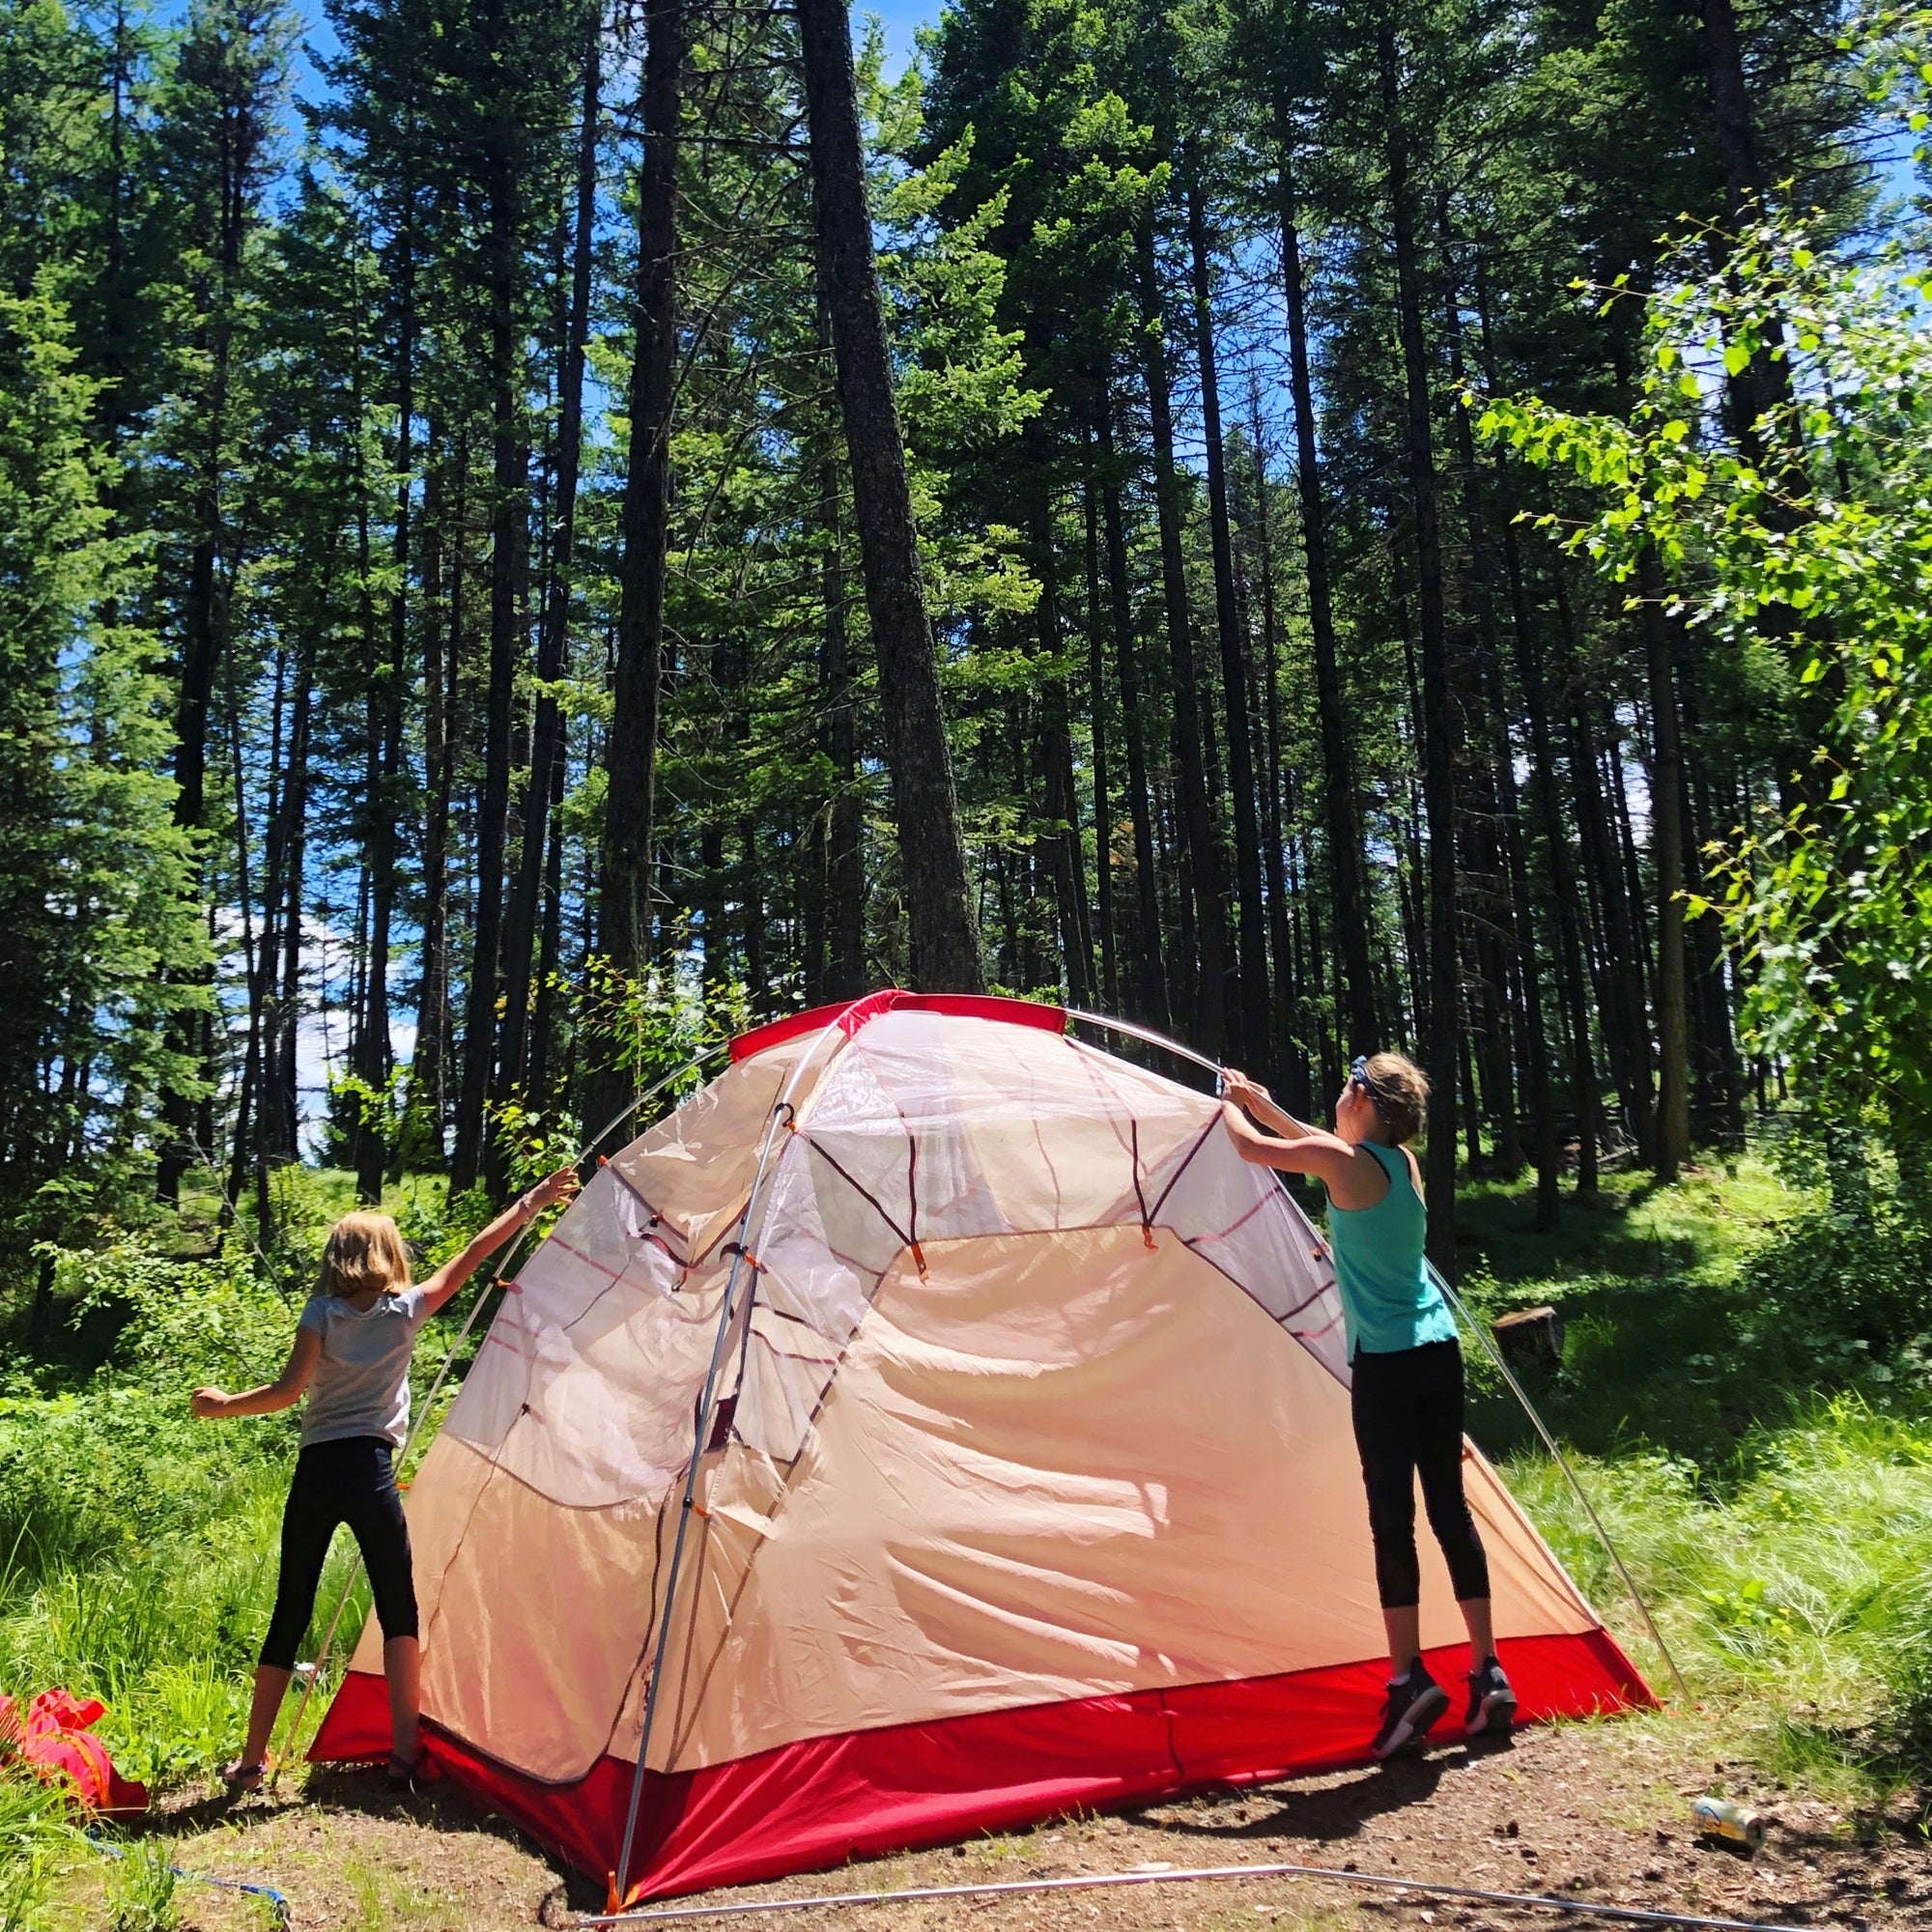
(1414,1703)
(1491,1701)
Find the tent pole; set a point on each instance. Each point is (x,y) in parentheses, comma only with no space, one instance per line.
(1549,1442)
(1490,1348)
(643,1099)
(700,1435)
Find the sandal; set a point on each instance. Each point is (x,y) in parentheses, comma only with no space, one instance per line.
(241,1778)
(418,1769)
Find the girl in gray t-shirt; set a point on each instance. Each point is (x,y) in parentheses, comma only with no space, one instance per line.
(352,1357)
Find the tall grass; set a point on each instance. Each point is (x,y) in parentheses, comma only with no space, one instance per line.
(1745,1386)
(1798,1602)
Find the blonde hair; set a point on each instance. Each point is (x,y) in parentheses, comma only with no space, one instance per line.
(1400,1090)
(364,1251)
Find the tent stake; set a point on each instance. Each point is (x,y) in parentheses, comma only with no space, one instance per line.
(311,1678)
(1489,1349)
(1094,1882)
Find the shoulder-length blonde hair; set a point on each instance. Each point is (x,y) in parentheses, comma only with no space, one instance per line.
(364,1251)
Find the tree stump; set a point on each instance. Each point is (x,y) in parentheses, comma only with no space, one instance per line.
(1531,1336)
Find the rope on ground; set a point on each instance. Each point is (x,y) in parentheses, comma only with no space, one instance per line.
(278,1903)
(1633,1915)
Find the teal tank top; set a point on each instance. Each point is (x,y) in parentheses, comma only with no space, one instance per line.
(1389,1299)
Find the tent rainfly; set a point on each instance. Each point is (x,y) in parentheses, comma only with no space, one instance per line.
(1026,1478)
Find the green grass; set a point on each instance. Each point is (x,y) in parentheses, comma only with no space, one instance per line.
(1744,1388)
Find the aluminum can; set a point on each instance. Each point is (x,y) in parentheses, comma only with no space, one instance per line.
(1735,1823)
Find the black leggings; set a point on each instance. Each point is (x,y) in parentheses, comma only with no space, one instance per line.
(1407,1408)
(350,1481)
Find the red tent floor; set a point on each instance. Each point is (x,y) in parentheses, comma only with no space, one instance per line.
(823,1800)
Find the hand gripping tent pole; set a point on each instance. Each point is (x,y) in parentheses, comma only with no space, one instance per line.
(1489,1349)
(313,1677)
(784,1112)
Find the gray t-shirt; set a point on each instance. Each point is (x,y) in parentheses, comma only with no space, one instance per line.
(361,1385)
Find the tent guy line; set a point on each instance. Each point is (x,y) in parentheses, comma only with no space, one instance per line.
(1636,1914)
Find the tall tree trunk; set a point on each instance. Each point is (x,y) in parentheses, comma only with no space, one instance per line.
(1289,1060)
(1535,1054)
(547,737)
(1251,925)
(944,935)
(372,1141)
(510,489)
(1062,804)
(1097,706)
(1338,792)
(1208,964)
(1549,814)
(1438,775)
(629,847)
(429,1069)
(846,855)
(288,1006)
(205,610)
(1151,975)
(550,957)
(1673,1095)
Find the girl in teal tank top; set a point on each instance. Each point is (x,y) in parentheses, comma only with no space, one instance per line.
(1405,1370)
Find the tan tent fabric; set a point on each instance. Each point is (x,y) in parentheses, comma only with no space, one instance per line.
(1033,1391)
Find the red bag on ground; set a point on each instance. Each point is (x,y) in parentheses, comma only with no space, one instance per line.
(57,1740)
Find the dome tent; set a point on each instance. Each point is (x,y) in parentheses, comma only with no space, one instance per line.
(1027,1478)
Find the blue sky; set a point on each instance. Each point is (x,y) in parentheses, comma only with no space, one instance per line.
(901,20)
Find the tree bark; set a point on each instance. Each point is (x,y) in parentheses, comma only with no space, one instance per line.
(1208,962)
(629,848)
(1673,1098)
(945,941)
(547,736)
(1438,775)
(372,1141)
(1535,1049)
(846,855)
(510,486)
(1342,822)
(1251,926)
(1150,972)
(1097,706)
(1062,843)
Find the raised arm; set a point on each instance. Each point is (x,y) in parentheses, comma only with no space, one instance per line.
(1352,1178)
(1235,1086)
(454,1273)
(284,1392)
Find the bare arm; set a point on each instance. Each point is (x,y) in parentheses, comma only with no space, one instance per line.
(1353,1179)
(1235,1086)
(457,1270)
(284,1392)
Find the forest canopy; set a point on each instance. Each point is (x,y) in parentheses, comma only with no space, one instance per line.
(532,535)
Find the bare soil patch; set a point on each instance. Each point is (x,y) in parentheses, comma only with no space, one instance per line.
(1598,1812)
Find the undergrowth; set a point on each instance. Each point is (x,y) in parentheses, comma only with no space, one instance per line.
(1743,1389)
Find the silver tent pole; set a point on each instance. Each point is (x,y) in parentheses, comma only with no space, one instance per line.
(313,1677)
(1489,1349)
(780,1108)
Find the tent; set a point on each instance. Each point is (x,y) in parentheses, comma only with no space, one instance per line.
(1027,1480)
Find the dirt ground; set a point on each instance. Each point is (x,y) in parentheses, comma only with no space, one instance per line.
(1589,1811)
